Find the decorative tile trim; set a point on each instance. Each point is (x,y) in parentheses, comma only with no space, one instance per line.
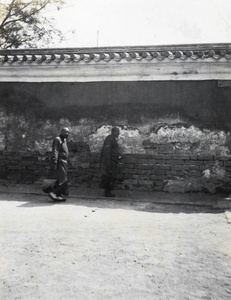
(95,55)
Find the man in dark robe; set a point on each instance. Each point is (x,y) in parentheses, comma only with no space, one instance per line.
(109,162)
(59,165)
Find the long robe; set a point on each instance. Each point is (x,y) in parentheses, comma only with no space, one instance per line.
(59,159)
(109,162)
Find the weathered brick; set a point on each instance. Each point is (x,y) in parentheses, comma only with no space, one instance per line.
(162,167)
(26,162)
(127,176)
(14,167)
(209,163)
(144,177)
(202,168)
(158,188)
(145,156)
(42,163)
(134,181)
(164,157)
(130,171)
(160,177)
(120,176)
(228,174)
(129,166)
(179,167)
(28,181)
(205,157)
(193,157)
(170,172)
(153,177)
(176,173)
(83,159)
(136,169)
(32,154)
(144,167)
(34,158)
(32,167)
(195,173)
(94,165)
(145,182)
(41,170)
(152,171)
(94,159)
(141,171)
(27,173)
(226,158)
(11,162)
(129,160)
(94,171)
(160,162)
(91,159)
(182,167)
(13,153)
(84,154)
(181,157)
(144,161)
(193,167)
(194,162)
(13,157)
(161,172)
(177,162)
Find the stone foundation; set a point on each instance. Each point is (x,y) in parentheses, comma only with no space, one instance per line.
(146,172)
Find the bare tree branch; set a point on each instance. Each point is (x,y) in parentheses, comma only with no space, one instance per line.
(8,15)
(29,15)
(21,17)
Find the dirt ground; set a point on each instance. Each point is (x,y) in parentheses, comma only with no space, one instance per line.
(99,249)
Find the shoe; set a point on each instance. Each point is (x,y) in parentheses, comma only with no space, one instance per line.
(52,196)
(59,198)
(109,194)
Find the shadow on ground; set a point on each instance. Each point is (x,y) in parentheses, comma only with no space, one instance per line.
(145,205)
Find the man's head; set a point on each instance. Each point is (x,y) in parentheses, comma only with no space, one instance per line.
(115,131)
(64,132)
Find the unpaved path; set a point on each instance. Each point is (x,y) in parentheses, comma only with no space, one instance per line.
(111,250)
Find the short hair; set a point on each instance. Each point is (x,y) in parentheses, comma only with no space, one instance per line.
(64,130)
(114,129)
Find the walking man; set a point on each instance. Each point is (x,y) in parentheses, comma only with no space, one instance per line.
(59,165)
(109,162)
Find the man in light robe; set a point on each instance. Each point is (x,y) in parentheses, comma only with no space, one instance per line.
(59,165)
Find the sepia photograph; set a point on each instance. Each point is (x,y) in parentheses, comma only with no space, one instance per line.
(115,150)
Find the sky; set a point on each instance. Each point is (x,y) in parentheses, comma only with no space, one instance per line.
(92,23)
(102,23)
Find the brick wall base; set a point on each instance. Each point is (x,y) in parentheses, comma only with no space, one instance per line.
(146,172)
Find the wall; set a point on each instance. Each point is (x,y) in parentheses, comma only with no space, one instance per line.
(174,134)
(202,102)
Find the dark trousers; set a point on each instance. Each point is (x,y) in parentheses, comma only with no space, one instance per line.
(60,189)
(61,185)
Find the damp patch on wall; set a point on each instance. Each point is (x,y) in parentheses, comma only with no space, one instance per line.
(146,137)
